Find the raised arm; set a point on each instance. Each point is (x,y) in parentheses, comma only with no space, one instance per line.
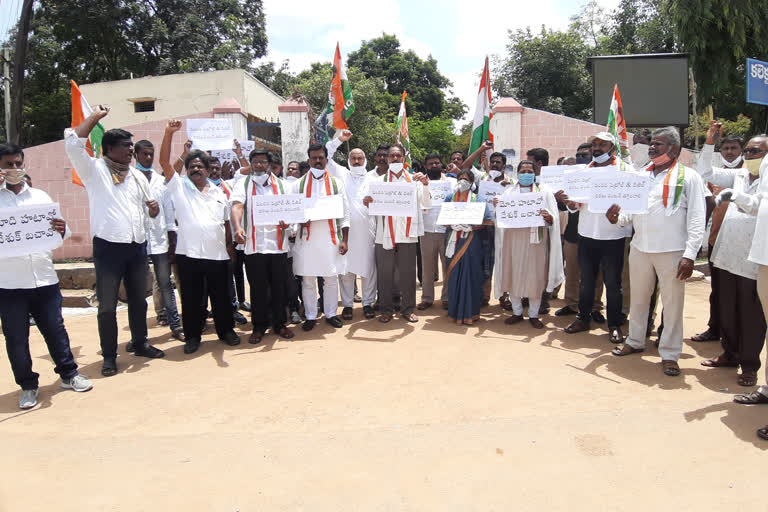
(178,164)
(332,146)
(84,129)
(720,177)
(485,146)
(75,144)
(172,127)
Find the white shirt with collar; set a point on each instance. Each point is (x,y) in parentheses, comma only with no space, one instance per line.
(117,212)
(432,213)
(400,224)
(201,219)
(258,239)
(157,228)
(33,270)
(596,225)
(657,232)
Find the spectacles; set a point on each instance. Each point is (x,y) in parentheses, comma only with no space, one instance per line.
(754,151)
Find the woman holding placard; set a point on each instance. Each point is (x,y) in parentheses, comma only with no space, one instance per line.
(528,250)
(464,255)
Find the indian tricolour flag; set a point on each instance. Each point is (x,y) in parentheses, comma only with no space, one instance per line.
(80,110)
(341,105)
(481,124)
(617,125)
(401,135)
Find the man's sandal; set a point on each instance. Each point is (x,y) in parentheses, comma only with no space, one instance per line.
(385,317)
(747,379)
(762,433)
(752,398)
(670,368)
(625,350)
(576,326)
(706,336)
(719,362)
(255,337)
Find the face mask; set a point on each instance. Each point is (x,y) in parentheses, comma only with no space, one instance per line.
(581,159)
(215,182)
(526,180)
(601,159)
(318,173)
(290,179)
(734,164)
(142,168)
(357,170)
(753,166)
(661,160)
(396,167)
(464,185)
(261,178)
(434,174)
(494,174)
(13,176)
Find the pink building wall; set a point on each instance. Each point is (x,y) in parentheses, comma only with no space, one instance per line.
(51,171)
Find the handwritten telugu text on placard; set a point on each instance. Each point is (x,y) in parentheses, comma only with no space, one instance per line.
(577,184)
(520,210)
(324,207)
(461,213)
(626,189)
(27,229)
(270,210)
(488,190)
(440,189)
(552,176)
(227,155)
(209,134)
(394,199)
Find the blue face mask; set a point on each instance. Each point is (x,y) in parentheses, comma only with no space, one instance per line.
(215,182)
(142,168)
(526,180)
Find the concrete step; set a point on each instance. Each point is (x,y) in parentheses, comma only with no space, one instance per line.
(78,298)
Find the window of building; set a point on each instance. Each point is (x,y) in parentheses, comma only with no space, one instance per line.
(144,106)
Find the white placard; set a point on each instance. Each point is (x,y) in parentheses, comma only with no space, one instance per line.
(520,210)
(578,184)
(324,207)
(626,189)
(228,155)
(269,210)
(471,213)
(487,190)
(552,176)
(392,199)
(209,134)
(440,189)
(27,229)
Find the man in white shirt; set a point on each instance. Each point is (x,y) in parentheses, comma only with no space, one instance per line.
(321,244)
(381,161)
(119,204)
(204,247)
(157,238)
(601,248)
(396,239)
(266,248)
(667,238)
(29,286)
(361,260)
(741,316)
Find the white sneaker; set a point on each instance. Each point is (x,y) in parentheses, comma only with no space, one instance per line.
(77,383)
(28,398)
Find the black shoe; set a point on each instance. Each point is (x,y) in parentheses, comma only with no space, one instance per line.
(239,318)
(231,339)
(191,345)
(565,311)
(129,347)
(109,367)
(177,333)
(368,312)
(598,317)
(334,321)
(149,351)
(308,325)
(245,306)
(346,313)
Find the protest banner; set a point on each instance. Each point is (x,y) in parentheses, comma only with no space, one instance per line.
(324,207)
(626,189)
(440,189)
(393,199)
(552,175)
(270,210)
(520,210)
(209,134)
(487,190)
(27,229)
(471,213)
(577,184)
(228,155)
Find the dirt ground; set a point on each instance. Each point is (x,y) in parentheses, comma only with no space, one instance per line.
(429,416)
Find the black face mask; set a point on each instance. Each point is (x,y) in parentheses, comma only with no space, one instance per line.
(434,174)
(583,159)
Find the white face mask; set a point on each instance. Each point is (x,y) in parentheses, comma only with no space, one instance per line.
(734,164)
(13,176)
(290,179)
(317,173)
(357,170)
(260,178)
(396,167)
(494,174)
(464,185)
(602,158)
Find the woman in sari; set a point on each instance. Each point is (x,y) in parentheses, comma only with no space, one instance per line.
(530,258)
(464,255)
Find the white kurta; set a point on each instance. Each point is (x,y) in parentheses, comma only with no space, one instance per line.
(757,204)
(314,253)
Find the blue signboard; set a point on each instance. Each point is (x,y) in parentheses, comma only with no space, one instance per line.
(757,82)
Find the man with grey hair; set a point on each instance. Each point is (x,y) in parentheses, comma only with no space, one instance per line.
(667,238)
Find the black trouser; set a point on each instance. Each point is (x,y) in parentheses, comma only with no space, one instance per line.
(115,262)
(196,275)
(742,320)
(714,298)
(608,256)
(292,287)
(267,275)
(401,261)
(44,304)
(239,275)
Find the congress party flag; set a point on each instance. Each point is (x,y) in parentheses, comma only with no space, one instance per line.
(80,110)
(401,135)
(341,105)
(617,125)
(481,123)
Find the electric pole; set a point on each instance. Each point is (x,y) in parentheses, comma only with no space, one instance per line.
(7,90)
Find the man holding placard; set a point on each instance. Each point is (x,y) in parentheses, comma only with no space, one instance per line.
(397,235)
(29,286)
(322,241)
(667,238)
(601,248)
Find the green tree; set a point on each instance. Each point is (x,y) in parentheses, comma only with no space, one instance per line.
(280,80)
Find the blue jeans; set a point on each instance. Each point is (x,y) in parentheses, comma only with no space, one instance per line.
(44,304)
(607,255)
(163,276)
(115,262)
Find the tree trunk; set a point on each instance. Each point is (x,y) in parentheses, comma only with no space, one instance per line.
(19,63)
